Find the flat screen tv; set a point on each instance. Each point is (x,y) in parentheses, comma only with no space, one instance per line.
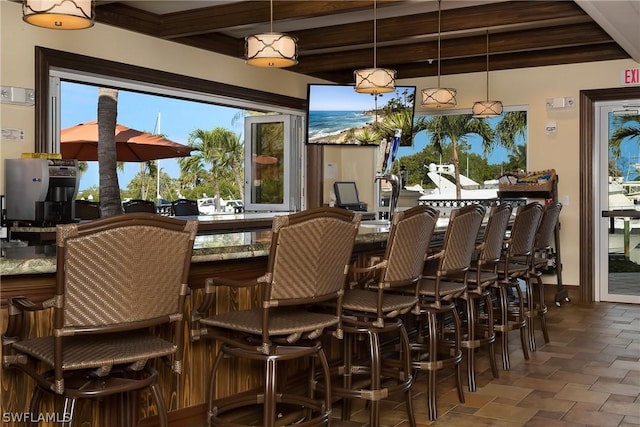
(337,114)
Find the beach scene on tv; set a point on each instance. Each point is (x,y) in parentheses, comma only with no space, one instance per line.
(337,114)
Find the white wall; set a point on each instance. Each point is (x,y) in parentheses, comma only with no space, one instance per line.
(523,87)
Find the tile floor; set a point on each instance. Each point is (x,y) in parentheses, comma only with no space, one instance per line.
(588,375)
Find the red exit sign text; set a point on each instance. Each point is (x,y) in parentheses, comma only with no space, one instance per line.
(631,76)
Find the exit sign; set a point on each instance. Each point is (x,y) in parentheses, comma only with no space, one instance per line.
(631,76)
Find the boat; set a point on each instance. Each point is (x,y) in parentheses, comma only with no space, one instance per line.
(446,188)
(218,206)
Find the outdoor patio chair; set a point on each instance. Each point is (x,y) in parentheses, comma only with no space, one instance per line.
(309,260)
(185,207)
(87,210)
(119,280)
(137,205)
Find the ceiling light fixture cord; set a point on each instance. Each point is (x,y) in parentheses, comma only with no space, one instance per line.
(271,17)
(439,29)
(487,63)
(375,33)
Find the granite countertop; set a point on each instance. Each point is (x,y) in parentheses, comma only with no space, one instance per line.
(207,247)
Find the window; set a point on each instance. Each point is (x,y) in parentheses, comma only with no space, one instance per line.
(428,171)
(57,70)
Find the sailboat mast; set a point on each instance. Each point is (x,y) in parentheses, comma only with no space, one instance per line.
(157,132)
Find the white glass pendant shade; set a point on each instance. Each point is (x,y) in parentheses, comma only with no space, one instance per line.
(58,14)
(275,50)
(375,80)
(439,97)
(486,109)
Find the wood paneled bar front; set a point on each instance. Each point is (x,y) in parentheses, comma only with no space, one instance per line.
(238,254)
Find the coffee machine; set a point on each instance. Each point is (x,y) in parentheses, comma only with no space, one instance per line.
(41,191)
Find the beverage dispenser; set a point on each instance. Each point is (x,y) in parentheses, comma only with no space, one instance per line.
(41,191)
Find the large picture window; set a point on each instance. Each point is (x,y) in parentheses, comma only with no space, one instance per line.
(207,116)
(477,151)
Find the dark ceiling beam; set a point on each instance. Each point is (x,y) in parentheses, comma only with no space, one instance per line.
(516,41)
(128,18)
(495,15)
(522,34)
(591,53)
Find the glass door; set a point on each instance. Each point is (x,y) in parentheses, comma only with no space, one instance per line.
(273,163)
(618,238)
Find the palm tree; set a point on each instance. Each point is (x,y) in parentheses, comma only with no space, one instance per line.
(512,124)
(232,155)
(208,153)
(110,203)
(455,128)
(399,119)
(624,132)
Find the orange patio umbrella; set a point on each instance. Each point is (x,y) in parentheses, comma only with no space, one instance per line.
(80,142)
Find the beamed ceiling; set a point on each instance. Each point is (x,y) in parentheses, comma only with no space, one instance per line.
(336,37)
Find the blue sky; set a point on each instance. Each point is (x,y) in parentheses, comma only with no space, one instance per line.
(140,111)
(497,155)
(178,118)
(345,98)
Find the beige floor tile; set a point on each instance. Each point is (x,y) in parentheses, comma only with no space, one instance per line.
(622,408)
(608,387)
(506,412)
(593,418)
(508,391)
(574,394)
(545,401)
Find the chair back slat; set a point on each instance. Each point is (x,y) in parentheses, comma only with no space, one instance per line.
(310,253)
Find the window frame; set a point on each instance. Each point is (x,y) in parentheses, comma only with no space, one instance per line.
(51,60)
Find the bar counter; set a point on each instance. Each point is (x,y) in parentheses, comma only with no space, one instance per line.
(209,246)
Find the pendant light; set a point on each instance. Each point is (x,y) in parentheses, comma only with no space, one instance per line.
(439,97)
(375,80)
(58,14)
(486,109)
(273,50)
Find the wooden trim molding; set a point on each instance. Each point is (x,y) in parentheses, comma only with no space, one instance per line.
(588,141)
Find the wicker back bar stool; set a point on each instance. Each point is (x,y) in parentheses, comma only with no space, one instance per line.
(373,310)
(536,307)
(308,265)
(116,279)
(514,265)
(437,344)
(478,323)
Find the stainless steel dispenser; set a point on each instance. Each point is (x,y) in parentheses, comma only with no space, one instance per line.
(41,191)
